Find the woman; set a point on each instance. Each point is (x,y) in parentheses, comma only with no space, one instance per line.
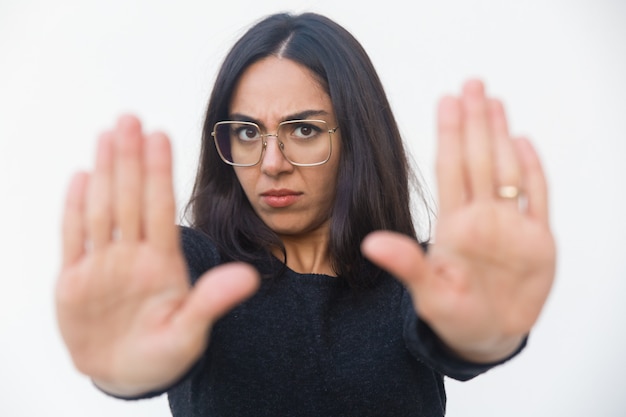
(301,164)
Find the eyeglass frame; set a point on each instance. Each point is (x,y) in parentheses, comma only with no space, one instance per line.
(281,145)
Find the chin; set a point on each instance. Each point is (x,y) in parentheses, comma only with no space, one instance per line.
(297,227)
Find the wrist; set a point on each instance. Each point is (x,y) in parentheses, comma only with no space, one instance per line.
(125,391)
(491,351)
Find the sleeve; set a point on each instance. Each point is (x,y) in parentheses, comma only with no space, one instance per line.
(200,255)
(424,344)
(200,252)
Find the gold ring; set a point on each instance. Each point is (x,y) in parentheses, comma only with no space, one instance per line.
(508,192)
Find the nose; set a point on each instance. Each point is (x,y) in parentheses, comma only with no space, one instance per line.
(273,161)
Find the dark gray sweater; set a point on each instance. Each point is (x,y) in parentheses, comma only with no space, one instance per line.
(308,345)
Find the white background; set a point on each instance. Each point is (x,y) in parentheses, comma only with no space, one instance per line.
(68,68)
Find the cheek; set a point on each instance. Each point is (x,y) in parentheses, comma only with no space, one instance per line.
(246,179)
(327,185)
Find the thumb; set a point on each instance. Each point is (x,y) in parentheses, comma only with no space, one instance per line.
(215,293)
(398,254)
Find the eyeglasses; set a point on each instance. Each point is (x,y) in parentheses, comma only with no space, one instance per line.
(302,142)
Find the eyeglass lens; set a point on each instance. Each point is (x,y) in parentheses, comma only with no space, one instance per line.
(305,142)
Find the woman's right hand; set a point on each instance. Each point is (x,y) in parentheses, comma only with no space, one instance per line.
(125,308)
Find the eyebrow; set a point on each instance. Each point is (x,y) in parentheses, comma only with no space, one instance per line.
(303,115)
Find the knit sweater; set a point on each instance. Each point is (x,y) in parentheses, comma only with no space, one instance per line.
(309,345)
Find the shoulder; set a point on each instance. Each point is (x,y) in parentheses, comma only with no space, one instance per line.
(200,251)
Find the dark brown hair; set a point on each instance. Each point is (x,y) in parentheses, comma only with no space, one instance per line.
(372,189)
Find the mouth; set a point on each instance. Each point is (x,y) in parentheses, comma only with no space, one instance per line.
(280,198)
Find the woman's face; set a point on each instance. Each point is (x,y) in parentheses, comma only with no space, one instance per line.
(292,200)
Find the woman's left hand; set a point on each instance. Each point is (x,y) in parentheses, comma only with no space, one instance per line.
(484,281)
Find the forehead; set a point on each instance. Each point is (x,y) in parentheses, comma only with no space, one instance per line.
(273,88)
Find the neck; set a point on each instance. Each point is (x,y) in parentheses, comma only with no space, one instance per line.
(307,254)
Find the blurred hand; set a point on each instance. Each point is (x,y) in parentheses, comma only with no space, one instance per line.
(484,281)
(125,307)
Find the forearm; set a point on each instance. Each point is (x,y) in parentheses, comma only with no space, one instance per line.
(425,344)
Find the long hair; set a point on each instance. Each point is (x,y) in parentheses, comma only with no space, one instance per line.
(372,190)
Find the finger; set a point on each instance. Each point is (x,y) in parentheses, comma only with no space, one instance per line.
(478,142)
(534,180)
(507,167)
(398,254)
(451,186)
(215,293)
(74,219)
(159,199)
(128,178)
(99,217)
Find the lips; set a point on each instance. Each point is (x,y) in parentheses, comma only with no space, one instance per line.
(280,198)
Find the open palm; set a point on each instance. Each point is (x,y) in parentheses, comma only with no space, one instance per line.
(485,279)
(125,308)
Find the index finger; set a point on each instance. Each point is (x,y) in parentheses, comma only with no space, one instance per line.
(159,199)
(450,178)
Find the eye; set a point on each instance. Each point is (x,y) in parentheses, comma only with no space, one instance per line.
(247,133)
(305,131)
